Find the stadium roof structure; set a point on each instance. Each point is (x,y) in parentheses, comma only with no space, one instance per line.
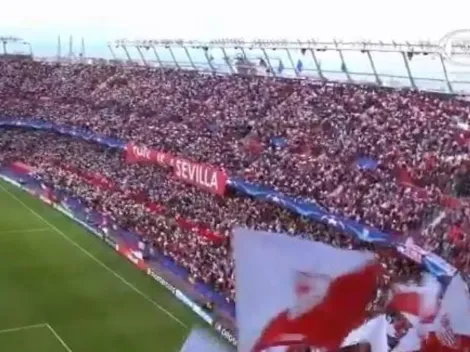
(6,40)
(306,59)
(422,65)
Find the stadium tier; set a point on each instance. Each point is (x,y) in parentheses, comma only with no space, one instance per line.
(166,163)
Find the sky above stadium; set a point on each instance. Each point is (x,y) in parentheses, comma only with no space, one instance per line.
(205,19)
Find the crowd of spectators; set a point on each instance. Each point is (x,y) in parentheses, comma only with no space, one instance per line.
(102,178)
(300,138)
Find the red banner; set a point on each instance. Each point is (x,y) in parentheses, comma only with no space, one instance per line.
(93,178)
(23,168)
(98,180)
(142,154)
(201,230)
(201,175)
(204,176)
(451,202)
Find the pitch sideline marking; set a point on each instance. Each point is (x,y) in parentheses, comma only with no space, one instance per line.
(22,328)
(91,256)
(38,326)
(57,336)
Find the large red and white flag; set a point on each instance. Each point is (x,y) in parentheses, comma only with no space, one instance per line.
(410,342)
(419,303)
(292,291)
(199,340)
(451,327)
(373,332)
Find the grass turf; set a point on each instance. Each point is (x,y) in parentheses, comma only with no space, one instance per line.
(83,296)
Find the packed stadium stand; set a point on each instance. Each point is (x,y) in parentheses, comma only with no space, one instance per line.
(392,160)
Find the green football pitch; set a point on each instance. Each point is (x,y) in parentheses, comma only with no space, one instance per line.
(64,290)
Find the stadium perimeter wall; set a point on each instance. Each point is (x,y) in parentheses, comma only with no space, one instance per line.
(182,289)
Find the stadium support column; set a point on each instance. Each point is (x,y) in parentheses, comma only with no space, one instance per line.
(173,57)
(141,54)
(82,50)
(113,54)
(372,65)
(446,75)
(126,51)
(227,60)
(205,49)
(157,57)
(70,48)
(59,48)
(243,53)
(268,61)
(185,48)
(121,44)
(407,66)
(317,63)
(344,67)
(291,60)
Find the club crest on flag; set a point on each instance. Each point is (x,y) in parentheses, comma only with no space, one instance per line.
(310,290)
(445,334)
